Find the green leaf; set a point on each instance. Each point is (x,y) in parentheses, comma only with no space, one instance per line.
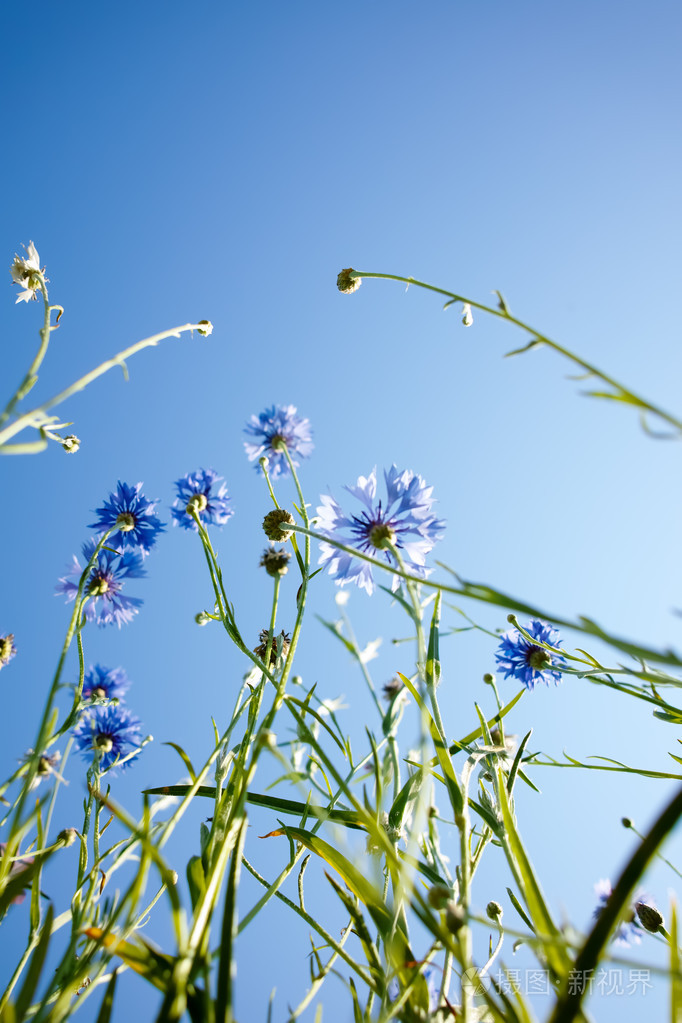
(25,996)
(555,952)
(442,752)
(675,975)
(104,1014)
(433,654)
(185,759)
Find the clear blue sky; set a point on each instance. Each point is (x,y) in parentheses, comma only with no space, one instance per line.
(225,161)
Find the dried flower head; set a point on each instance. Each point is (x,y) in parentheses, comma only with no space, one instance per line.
(275,562)
(280,646)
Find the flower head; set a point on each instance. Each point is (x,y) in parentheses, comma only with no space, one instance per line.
(404,522)
(199,491)
(274,430)
(629,930)
(27,274)
(275,562)
(102,683)
(46,766)
(132,516)
(346,282)
(7,649)
(106,604)
(527,662)
(280,646)
(112,733)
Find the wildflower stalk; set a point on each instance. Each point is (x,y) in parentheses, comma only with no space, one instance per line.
(44,729)
(619,391)
(37,417)
(31,376)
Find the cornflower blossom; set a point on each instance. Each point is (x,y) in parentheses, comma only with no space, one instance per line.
(47,765)
(106,604)
(199,490)
(110,732)
(273,430)
(26,272)
(527,662)
(100,683)
(133,516)
(7,649)
(629,931)
(405,522)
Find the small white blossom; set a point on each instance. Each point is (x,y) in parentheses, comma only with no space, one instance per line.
(331,706)
(467,315)
(27,273)
(371,651)
(342,597)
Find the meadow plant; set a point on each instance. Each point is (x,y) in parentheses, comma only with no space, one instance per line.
(414,947)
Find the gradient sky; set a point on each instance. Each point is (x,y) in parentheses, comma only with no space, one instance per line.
(225,161)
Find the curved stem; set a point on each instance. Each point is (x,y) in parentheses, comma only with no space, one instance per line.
(622,393)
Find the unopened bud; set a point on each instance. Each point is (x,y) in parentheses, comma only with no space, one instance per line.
(273,522)
(205,327)
(649,917)
(202,618)
(494,910)
(455,918)
(439,896)
(626,822)
(467,315)
(346,282)
(67,837)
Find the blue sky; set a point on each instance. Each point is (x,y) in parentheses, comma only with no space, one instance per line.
(225,161)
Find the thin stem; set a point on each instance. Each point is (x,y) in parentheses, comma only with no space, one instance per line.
(38,413)
(621,392)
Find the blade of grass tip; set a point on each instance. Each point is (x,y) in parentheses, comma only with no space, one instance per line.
(517,761)
(227,964)
(35,968)
(104,1014)
(520,910)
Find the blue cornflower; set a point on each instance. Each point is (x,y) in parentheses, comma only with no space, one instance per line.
(112,732)
(209,501)
(529,663)
(7,649)
(405,522)
(101,683)
(133,515)
(273,430)
(107,605)
(629,931)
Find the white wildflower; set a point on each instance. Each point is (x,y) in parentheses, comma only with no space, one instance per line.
(27,273)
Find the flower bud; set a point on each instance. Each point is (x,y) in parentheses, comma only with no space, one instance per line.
(626,822)
(67,837)
(202,618)
(494,910)
(455,918)
(205,327)
(346,283)
(273,522)
(439,896)
(467,315)
(649,917)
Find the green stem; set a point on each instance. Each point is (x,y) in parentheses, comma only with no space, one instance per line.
(38,413)
(31,374)
(621,392)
